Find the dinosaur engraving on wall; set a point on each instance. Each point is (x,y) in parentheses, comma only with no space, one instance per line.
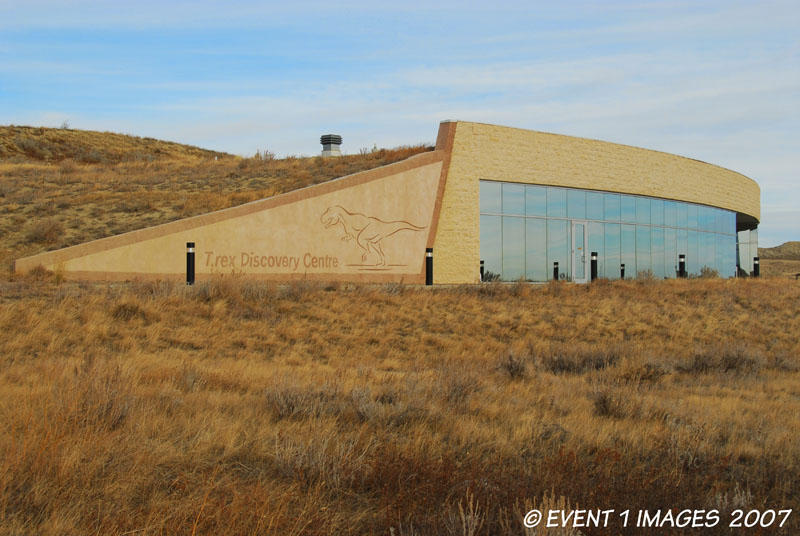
(368,232)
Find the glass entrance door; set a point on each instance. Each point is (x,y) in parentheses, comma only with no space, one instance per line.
(579,257)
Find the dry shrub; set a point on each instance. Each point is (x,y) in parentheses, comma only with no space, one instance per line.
(67,167)
(737,359)
(91,156)
(466,518)
(324,457)
(633,371)
(458,384)
(245,298)
(46,231)
(34,148)
(513,365)
(706,272)
(203,202)
(40,273)
(297,290)
(98,395)
(285,400)
(610,403)
(570,360)
(130,310)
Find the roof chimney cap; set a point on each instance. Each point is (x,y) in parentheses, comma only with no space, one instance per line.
(330,139)
(330,144)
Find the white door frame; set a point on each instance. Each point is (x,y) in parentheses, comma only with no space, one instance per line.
(582,255)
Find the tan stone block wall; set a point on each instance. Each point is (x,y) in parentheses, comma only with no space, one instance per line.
(457,245)
(490,152)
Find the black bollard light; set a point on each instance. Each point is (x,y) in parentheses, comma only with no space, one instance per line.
(429,266)
(555,270)
(622,271)
(482,270)
(594,265)
(681,265)
(190,263)
(756,269)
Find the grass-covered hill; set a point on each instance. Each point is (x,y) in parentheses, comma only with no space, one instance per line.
(789,251)
(57,144)
(61,187)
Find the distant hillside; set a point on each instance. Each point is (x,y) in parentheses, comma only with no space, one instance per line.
(786,251)
(87,146)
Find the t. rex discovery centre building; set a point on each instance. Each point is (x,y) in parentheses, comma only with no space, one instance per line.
(525,205)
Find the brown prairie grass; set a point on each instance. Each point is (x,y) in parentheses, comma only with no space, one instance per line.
(784,268)
(242,408)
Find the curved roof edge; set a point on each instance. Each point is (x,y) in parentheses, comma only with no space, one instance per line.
(529,156)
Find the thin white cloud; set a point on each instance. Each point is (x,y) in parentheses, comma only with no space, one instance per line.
(716,81)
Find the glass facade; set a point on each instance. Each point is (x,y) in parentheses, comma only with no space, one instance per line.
(746,249)
(526,228)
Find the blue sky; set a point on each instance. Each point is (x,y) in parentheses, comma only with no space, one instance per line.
(716,81)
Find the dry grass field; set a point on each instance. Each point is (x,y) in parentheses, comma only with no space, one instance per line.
(783,268)
(241,408)
(235,407)
(781,261)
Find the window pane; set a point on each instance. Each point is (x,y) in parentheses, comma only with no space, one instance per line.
(611,202)
(670,213)
(513,248)
(721,265)
(731,229)
(704,219)
(643,262)
(556,202)
(657,211)
(594,205)
(596,245)
(692,252)
(536,249)
(536,200)
(730,255)
(642,210)
(490,197)
(707,251)
(628,249)
(513,199)
(557,247)
(709,219)
(657,251)
(491,244)
(576,204)
(612,259)
(683,246)
(670,252)
(691,221)
(715,221)
(682,212)
(745,259)
(628,208)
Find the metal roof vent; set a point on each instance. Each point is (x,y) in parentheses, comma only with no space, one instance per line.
(331,144)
